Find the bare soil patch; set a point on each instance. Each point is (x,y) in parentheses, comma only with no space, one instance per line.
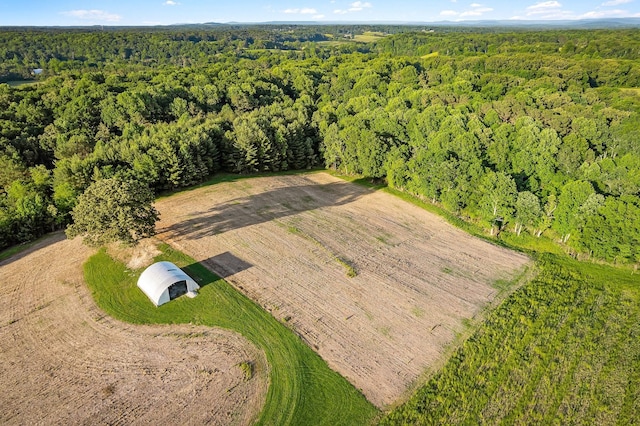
(135,257)
(291,242)
(64,362)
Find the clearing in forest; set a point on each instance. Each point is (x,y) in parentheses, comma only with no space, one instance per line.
(377,286)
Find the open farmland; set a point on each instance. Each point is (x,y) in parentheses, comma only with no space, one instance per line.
(377,286)
(64,362)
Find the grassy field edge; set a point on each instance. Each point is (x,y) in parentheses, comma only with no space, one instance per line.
(562,348)
(302,388)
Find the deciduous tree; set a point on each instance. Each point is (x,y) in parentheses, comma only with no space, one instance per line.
(114,210)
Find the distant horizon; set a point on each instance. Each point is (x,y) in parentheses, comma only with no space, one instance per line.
(610,22)
(83,13)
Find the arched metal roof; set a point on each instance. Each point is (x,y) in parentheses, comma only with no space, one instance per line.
(157,278)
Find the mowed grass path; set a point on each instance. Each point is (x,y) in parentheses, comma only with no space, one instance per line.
(303,390)
(562,349)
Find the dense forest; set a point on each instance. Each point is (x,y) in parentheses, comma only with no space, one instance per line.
(519,131)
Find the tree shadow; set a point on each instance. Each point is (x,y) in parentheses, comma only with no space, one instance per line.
(226,264)
(19,251)
(264,207)
(222,265)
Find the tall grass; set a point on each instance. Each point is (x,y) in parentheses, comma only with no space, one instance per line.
(563,349)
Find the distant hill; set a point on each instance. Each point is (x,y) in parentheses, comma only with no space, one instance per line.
(611,23)
(573,24)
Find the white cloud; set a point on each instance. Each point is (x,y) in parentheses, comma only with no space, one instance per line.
(171,3)
(356,6)
(615,2)
(93,14)
(549,10)
(318,16)
(596,14)
(476,12)
(303,11)
(543,7)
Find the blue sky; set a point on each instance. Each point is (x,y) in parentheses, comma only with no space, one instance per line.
(164,12)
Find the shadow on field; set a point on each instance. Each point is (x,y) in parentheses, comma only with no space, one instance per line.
(222,265)
(23,250)
(264,207)
(226,264)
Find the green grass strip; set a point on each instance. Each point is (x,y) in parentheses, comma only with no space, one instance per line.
(303,390)
(561,349)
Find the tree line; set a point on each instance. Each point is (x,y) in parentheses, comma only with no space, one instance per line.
(537,142)
(56,50)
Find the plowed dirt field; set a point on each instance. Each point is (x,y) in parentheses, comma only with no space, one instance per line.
(294,244)
(62,361)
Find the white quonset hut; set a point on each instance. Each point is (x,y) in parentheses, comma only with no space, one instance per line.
(164,281)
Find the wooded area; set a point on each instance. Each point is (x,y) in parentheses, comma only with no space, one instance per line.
(523,131)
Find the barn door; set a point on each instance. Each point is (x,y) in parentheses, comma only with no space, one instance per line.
(177,289)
